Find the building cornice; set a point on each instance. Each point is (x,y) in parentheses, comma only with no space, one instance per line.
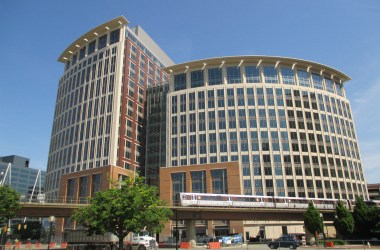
(90,36)
(257,60)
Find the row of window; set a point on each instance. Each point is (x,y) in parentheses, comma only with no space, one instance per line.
(84,151)
(200,149)
(87,110)
(241,97)
(83,183)
(255,75)
(263,118)
(131,36)
(151,71)
(81,87)
(91,47)
(101,55)
(82,131)
(219,183)
(294,187)
(213,144)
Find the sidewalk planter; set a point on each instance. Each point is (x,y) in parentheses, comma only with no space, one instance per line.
(329,244)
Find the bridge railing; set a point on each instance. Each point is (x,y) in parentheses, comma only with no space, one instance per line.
(58,200)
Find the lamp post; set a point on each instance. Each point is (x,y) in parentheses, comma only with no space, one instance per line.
(323,230)
(176,229)
(51,219)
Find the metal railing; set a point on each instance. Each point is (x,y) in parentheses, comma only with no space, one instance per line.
(58,200)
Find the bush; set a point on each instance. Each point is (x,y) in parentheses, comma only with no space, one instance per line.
(338,242)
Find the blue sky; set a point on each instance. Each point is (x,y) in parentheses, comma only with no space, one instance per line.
(344,34)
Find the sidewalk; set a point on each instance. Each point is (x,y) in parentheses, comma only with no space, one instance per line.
(342,247)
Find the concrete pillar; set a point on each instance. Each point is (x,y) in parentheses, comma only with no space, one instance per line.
(190,230)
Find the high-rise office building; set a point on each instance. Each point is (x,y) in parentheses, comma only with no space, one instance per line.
(254,125)
(286,123)
(99,114)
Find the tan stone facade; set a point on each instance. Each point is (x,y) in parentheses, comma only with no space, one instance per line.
(233,183)
(108,175)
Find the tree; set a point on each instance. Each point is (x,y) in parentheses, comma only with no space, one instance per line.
(365,219)
(9,204)
(312,219)
(132,207)
(344,222)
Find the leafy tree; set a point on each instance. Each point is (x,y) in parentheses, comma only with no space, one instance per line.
(312,219)
(377,219)
(344,222)
(365,219)
(121,210)
(9,204)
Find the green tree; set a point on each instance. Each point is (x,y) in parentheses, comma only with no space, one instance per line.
(121,210)
(312,219)
(365,219)
(344,222)
(9,204)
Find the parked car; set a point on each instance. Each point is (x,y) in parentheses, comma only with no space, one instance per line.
(284,241)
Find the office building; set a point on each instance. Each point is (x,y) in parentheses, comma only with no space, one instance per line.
(15,172)
(99,115)
(286,122)
(253,125)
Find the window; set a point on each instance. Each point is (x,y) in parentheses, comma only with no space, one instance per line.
(178,184)
(317,81)
(198,181)
(219,181)
(201,100)
(211,99)
(83,189)
(303,78)
(70,188)
(102,42)
(287,76)
(96,183)
(180,81)
(215,76)
(220,95)
(114,36)
(233,75)
(82,53)
(91,47)
(252,74)
(329,85)
(197,78)
(270,74)
(247,187)
(339,89)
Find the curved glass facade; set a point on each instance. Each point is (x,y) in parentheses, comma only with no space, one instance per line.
(288,124)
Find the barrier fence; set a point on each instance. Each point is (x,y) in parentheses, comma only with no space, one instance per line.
(29,245)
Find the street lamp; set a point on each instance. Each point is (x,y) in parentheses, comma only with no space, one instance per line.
(323,230)
(51,219)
